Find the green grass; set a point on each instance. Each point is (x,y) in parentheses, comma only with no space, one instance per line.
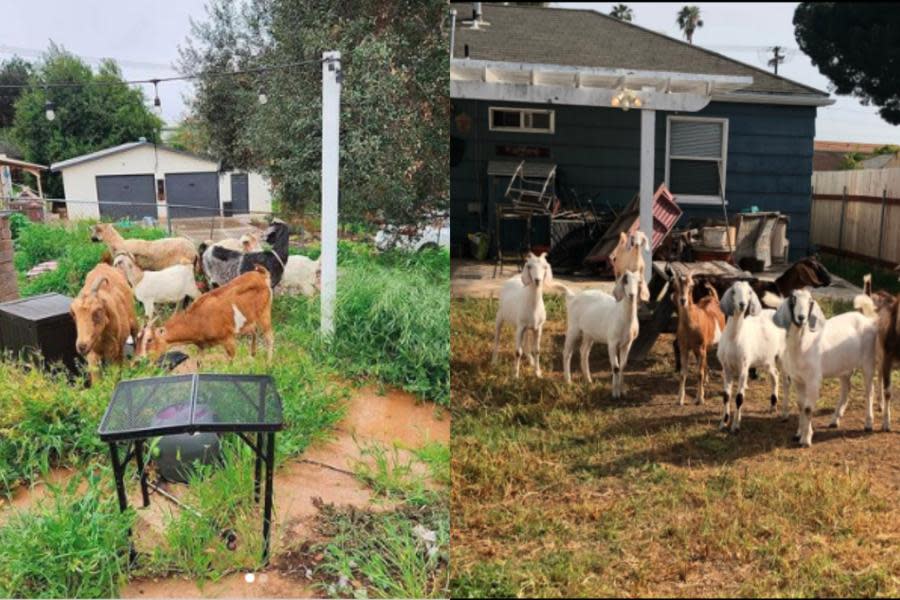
(389,328)
(853,271)
(561,491)
(70,245)
(75,546)
(386,553)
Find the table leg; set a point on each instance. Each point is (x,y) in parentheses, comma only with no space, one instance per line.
(139,457)
(119,475)
(267,509)
(257,471)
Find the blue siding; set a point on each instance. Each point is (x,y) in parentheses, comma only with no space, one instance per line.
(597,151)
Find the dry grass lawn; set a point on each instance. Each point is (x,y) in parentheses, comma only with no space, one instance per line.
(559,491)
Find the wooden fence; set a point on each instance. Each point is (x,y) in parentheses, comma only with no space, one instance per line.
(857,213)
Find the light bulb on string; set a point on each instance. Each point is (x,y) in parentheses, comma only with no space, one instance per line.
(157,105)
(49,112)
(262,97)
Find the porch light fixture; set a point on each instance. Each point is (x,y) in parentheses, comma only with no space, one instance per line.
(626,99)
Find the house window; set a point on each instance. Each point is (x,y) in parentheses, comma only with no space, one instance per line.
(525,120)
(696,158)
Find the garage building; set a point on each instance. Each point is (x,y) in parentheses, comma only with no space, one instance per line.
(141,179)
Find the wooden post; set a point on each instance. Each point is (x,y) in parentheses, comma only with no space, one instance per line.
(843,211)
(331,112)
(881,222)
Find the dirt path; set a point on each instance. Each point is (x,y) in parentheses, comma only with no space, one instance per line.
(321,472)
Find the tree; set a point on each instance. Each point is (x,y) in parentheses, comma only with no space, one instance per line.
(395,109)
(99,112)
(622,12)
(857,47)
(190,136)
(13,72)
(689,21)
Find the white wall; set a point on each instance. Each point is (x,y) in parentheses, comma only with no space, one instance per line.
(79,181)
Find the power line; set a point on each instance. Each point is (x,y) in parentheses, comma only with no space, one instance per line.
(157,80)
(36,53)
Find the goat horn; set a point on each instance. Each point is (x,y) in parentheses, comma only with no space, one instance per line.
(96,287)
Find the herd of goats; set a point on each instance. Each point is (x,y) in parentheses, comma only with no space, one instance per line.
(790,339)
(241,276)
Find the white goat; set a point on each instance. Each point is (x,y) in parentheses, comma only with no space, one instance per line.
(595,316)
(168,286)
(818,348)
(750,339)
(522,305)
(301,274)
(628,255)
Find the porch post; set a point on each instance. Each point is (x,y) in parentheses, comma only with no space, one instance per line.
(648,148)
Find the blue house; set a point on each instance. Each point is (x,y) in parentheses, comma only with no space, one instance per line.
(617,109)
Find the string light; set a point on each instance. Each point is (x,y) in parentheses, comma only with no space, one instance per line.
(157,105)
(262,98)
(49,113)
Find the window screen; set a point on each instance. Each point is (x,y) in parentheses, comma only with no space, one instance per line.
(526,120)
(507,118)
(696,150)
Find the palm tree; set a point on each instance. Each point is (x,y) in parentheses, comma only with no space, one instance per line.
(622,12)
(689,20)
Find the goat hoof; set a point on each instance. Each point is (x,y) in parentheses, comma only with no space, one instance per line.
(795,438)
(833,425)
(869,428)
(698,401)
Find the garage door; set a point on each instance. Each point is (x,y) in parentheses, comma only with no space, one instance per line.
(126,196)
(199,192)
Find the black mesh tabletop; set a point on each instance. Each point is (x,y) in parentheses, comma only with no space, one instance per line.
(142,408)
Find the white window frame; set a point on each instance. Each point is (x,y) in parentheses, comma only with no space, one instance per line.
(522,118)
(698,199)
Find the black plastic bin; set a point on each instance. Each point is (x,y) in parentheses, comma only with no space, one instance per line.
(40,325)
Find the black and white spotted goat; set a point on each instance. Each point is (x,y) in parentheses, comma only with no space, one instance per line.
(221,265)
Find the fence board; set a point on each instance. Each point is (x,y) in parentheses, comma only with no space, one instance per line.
(865,222)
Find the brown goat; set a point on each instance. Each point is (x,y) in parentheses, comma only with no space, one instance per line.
(241,306)
(153,255)
(699,328)
(104,317)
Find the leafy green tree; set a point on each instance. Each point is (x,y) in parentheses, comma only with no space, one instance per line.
(395,108)
(689,21)
(101,111)
(622,12)
(856,45)
(13,72)
(851,161)
(190,136)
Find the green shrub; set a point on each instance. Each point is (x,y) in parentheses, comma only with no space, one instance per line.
(74,547)
(17,222)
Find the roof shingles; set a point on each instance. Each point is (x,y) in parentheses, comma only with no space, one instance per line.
(586,38)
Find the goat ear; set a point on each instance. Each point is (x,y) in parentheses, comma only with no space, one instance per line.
(645,243)
(816,317)
(755,307)
(548,274)
(526,277)
(727,302)
(782,317)
(619,290)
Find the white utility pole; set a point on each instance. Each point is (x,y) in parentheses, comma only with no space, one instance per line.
(648,149)
(331,123)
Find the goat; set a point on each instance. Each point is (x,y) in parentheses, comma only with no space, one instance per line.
(522,305)
(628,256)
(302,274)
(104,317)
(152,255)
(170,285)
(595,316)
(700,326)
(750,339)
(882,308)
(817,348)
(221,265)
(242,306)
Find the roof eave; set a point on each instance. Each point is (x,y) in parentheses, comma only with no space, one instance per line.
(780,99)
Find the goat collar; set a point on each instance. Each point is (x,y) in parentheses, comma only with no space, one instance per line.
(278,258)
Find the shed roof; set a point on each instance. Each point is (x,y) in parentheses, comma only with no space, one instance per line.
(586,38)
(123,148)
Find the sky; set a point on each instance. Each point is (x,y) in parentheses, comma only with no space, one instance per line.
(144,38)
(742,31)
